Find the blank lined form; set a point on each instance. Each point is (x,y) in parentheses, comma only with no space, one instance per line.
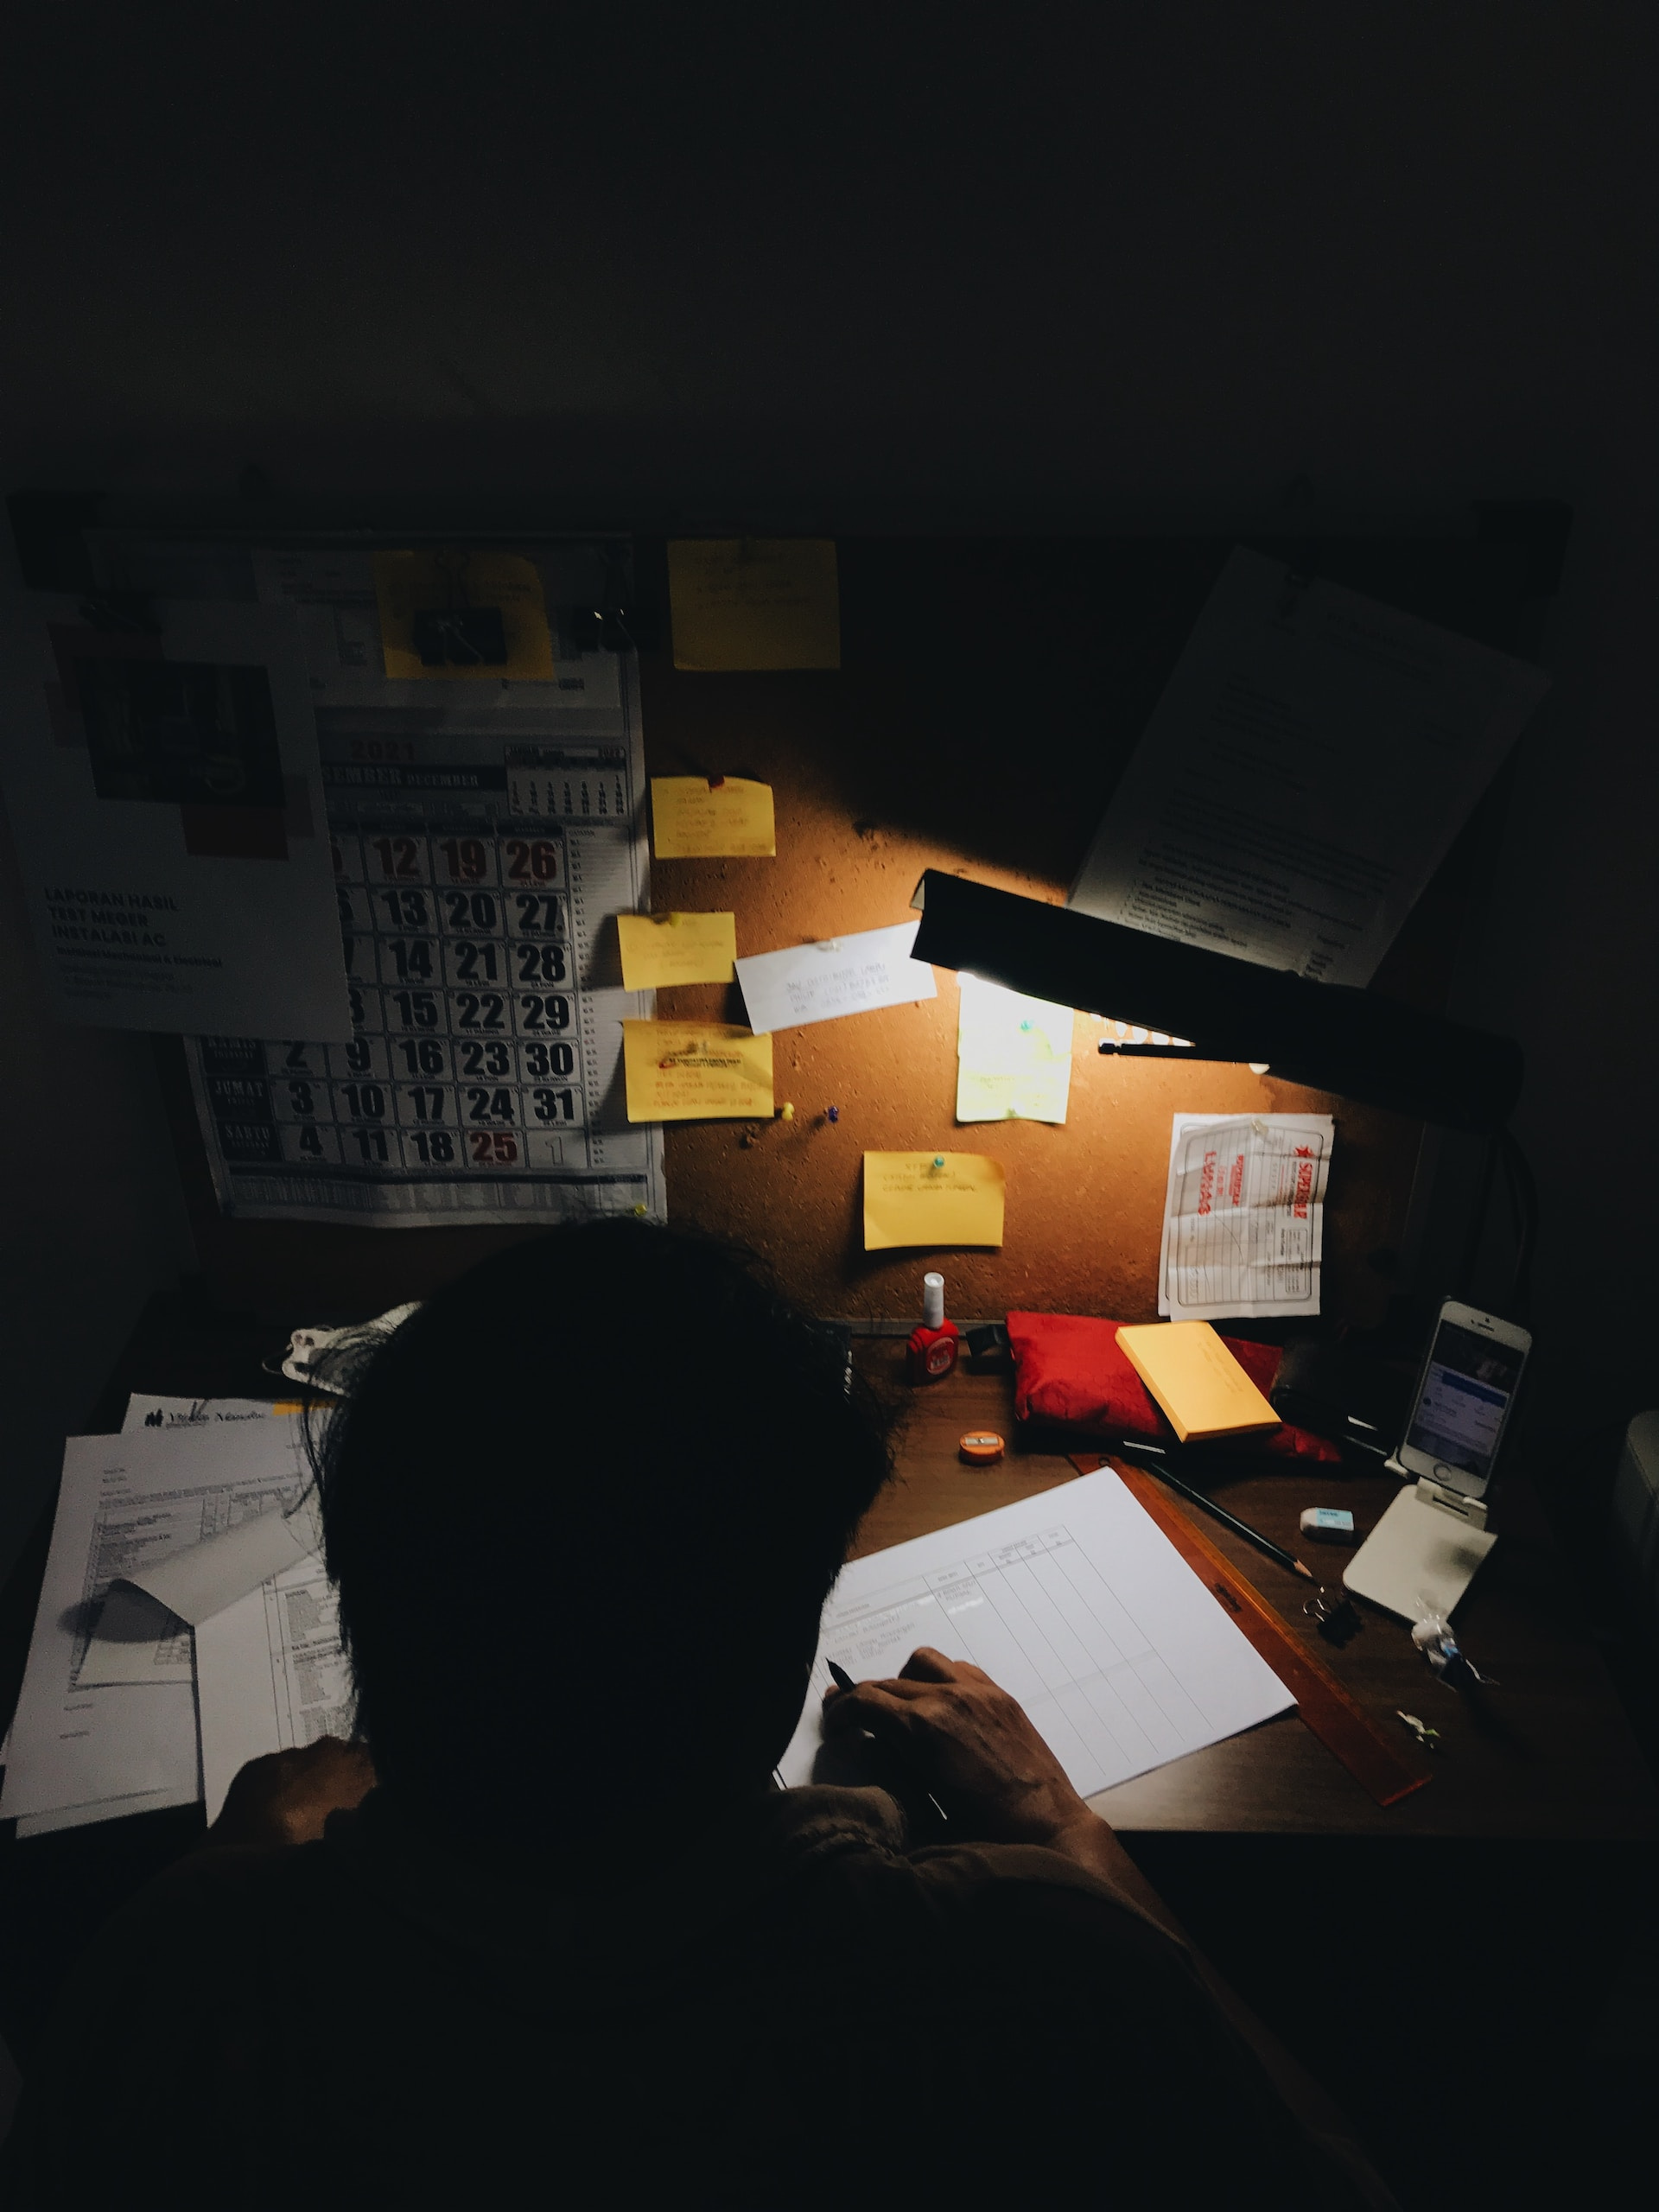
(1078,1605)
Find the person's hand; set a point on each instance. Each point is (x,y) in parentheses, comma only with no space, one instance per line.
(286,1796)
(971,1745)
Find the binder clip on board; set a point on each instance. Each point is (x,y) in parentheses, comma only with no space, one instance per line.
(461,612)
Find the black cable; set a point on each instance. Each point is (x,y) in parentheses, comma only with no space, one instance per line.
(1477,1219)
(1521,1189)
(1524,1200)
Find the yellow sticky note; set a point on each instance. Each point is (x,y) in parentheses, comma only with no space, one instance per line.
(755,602)
(693,819)
(927,1198)
(695,1071)
(677,949)
(1013,1056)
(446,583)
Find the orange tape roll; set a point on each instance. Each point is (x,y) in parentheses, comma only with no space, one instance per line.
(981,1447)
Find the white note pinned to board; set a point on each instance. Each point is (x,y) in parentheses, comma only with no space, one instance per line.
(835,977)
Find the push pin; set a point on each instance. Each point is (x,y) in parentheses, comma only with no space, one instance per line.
(938,1159)
(832,1114)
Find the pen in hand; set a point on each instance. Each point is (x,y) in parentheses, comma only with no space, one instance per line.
(844,1681)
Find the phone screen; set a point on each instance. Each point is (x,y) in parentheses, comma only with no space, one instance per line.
(1458,1416)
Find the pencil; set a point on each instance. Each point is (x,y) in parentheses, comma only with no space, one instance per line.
(1156,1465)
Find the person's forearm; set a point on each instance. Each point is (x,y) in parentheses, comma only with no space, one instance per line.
(1091,1842)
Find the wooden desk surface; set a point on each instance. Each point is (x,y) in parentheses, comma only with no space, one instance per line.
(1548,1754)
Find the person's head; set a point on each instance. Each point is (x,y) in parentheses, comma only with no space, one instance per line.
(583,1508)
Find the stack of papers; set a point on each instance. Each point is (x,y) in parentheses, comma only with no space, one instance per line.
(1074,1601)
(194,1498)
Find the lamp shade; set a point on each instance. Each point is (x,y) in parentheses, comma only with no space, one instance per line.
(1328,1036)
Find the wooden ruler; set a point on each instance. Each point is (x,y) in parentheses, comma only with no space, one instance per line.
(1341,1725)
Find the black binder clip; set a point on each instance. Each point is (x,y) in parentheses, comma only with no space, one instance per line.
(988,1347)
(459,637)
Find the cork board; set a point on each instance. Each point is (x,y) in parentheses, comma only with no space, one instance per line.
(991,693)
(988,698)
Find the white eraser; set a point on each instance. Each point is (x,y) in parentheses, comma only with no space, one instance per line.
(1326,1520)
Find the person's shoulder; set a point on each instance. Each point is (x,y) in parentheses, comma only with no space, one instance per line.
(200,1940)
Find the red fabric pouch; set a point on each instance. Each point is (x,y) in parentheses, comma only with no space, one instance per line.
(1069,1373)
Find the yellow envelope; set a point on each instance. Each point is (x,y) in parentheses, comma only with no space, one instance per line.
(451,579)
(755,602)
(677,949)
(692,819)
(695,1071)
(910,1197)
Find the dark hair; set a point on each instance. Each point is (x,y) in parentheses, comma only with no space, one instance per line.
(583,1508)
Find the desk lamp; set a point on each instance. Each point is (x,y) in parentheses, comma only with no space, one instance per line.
(1329,1036)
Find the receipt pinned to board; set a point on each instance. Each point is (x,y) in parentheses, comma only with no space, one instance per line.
(835,976)
(1244,1216)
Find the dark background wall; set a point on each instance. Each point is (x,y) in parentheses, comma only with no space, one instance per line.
(856,268)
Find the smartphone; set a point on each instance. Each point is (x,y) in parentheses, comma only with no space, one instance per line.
(1464,1396)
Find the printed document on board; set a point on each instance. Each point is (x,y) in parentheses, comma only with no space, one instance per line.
(167,804)
(1309,763)
(1244,1216)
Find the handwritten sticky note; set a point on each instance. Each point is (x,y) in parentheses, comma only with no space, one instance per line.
(695,1071)
(439,609)
(755,602)
(926,1197)
(676,949)
(692,819)
(1013,1056)
(843,975)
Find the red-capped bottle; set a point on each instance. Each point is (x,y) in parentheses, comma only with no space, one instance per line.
(933,1348)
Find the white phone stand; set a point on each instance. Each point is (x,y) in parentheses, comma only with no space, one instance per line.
(1424,1552)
